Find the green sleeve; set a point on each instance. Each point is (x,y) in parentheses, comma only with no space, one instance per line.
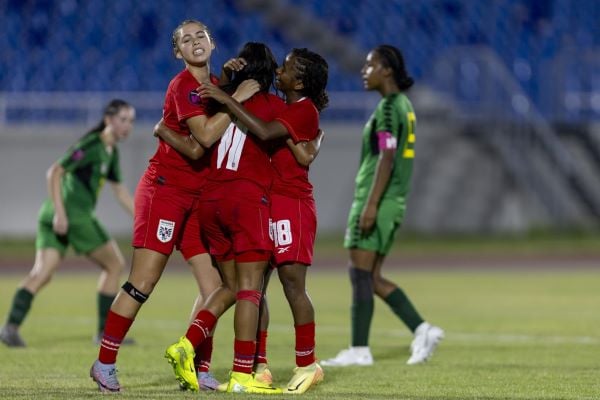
(114,170)
(388,118)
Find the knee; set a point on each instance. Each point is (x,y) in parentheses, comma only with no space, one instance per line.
(38,279)
(116,267)
(362,284)
(379,286)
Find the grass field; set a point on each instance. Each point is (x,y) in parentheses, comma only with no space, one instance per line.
(515,334)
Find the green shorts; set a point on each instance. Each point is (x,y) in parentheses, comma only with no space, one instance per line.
(85,235)
(381,238)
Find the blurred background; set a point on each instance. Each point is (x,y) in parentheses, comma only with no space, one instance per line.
(507,99)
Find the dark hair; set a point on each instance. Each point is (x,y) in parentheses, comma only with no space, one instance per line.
(111,109)
(312,70)
(175,34)
(261,66)
(392,58)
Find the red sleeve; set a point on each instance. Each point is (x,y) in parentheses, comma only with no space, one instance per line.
(301,120)
(186,99)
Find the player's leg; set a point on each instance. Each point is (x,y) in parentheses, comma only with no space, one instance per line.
(262,373)
(208,280)
(250,269)
(46,263)
(146,270)
(426,336)
(182,353)
(159,215)
(307,372)
(360,269)
(111,261)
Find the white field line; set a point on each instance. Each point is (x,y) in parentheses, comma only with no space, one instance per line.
(336,330)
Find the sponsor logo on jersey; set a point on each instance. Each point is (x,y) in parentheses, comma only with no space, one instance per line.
(165,230)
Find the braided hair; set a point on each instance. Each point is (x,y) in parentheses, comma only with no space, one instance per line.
(392,58)
(313,71)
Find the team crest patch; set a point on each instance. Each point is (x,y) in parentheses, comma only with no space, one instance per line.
(165,230)
(195,97)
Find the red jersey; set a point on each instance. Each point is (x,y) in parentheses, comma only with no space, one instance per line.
(168,166)
(239,155)
(302,122)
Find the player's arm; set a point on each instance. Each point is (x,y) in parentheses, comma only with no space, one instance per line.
(262,130)
(232,65)
(306,152)
(123,196)
(54,175)
(381,178)
(186,145)
(208,130)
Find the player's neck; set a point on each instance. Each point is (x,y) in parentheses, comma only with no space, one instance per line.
(292,97)
(387,88)
(107,138)
(201,73)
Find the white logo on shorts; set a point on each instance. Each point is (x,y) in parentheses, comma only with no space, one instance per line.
(282,250)
(165,230)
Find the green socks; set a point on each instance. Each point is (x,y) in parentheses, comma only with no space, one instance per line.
(104,303)
(403,308)
(362,306)
(20,306)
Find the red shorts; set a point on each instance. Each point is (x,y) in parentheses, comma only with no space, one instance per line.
(293,229)
(236,225)
(166,216)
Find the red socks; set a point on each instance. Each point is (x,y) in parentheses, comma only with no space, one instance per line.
(114,332)
(243,356)
(305,344)
(261,348)
(201,328)
(204,355)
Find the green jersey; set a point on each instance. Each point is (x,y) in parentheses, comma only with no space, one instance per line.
(87,165)
(392,125)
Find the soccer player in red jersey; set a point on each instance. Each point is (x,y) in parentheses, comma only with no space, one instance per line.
(166,196)
(302,78)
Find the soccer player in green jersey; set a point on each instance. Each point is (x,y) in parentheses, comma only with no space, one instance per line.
(67,217)
(382,186)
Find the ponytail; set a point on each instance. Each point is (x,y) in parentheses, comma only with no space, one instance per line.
(392,58)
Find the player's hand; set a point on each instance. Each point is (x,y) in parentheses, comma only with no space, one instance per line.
(366,223)
(60,224)
(207,89)
(234,64)
(246,90)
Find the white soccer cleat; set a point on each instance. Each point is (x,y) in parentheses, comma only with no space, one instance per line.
(359,356)
(426,340)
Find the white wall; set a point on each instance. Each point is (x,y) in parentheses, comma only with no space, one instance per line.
(26,154)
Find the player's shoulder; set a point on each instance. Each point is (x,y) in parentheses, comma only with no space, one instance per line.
(307,106)
(394,103)
(89,141)
(183,78)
